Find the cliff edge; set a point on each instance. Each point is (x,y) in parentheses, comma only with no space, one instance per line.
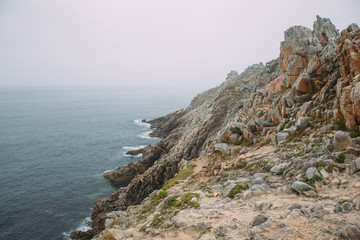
(272,145)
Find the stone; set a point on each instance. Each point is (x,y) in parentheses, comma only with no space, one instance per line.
(344,207)
(350,232)
(279,168)
(310,193)
(258,181)
(258,219)
(302,123)
(341,141)
(301,187)
(282,137)
(223,148)
(293,206)
(312,172)
(303,84)
(324,174)
(357,165)
(113,234)
(109,222)
(305,108)
(234,138)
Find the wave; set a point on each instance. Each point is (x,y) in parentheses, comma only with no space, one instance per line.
(142,124)
(133,148)
(83,226)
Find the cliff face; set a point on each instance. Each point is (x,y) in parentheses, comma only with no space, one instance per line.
(316,78)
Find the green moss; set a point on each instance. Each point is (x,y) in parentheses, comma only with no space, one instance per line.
(342,201)
(238,188)
(312,180)
(182,175)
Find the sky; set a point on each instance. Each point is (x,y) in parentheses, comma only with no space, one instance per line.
(148,43)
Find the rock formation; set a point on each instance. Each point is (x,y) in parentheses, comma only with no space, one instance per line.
(271,130)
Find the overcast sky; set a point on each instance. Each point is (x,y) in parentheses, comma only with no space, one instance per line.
(149,43)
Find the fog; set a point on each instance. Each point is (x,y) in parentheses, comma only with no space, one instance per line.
(148,44)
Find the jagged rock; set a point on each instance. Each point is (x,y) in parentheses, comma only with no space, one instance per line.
(303,84)
(341,141)
(223,148)
(350,232)
(282,137)
(301,187)
(279,169)
(305,108)
(312,172)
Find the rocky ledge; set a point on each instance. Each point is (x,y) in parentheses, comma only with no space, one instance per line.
(271,153)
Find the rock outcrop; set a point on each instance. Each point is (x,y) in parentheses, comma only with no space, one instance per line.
(294,103)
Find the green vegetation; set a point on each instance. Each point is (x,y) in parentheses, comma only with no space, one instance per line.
(355,132)
(238,188)
(341,158)
(330,168)
(182,175)
(240,164)
(341,125)
(245,143)
(312,180)
(342,201)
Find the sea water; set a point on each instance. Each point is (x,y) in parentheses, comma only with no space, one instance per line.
(55,146)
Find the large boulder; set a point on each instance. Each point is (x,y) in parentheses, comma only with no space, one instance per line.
(223,148)
(301,187)
(341,141)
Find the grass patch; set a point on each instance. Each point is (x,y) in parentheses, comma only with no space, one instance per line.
(341,125)
(238,188)
(182,175)
(355,132)
(341,158)
(245,143)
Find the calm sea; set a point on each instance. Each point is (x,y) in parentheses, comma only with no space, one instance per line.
(55,146)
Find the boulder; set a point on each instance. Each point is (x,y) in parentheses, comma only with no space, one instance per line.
(305,108)
(312,172)
(223,148)
(341,141)
(303,84)
(301,187)
(279,169)
(259,219)
(282,137)
(302,123)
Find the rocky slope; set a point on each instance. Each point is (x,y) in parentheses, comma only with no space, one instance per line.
(263,151)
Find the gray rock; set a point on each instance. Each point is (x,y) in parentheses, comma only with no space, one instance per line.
(282,137)
(312,172)
(258,181)
(279,169)
(327,128)
(223,148)
(350,231)
(109,222)
(344,207)
(302,123)
(357,165)
(341,140)
(258,219)
(293,206)
(315,211)
(310,193)
(234,138)
(301,187)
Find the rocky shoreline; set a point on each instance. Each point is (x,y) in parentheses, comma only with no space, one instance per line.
(270,131)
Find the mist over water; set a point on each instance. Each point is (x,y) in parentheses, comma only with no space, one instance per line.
(56,144)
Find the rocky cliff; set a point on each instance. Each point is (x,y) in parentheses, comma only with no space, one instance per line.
(272,130)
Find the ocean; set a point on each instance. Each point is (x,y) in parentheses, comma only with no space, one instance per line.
(55,146)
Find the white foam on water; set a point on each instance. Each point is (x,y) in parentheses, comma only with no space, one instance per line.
(133,148)
(142,124)
(82,227)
